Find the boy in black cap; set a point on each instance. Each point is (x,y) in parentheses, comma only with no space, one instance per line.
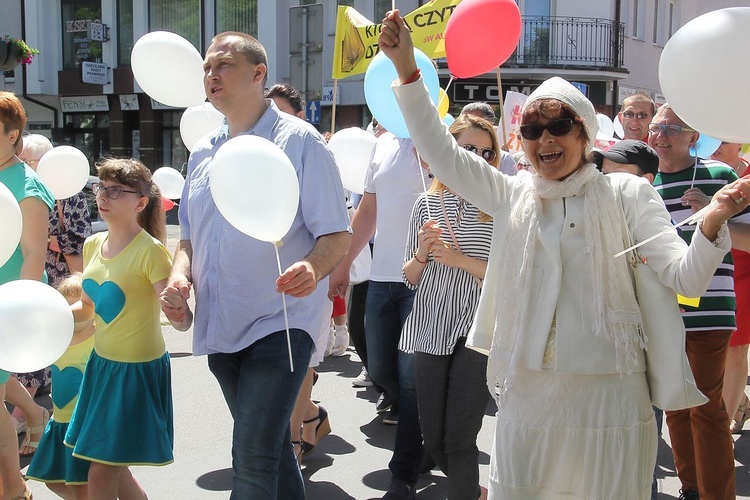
(634,157)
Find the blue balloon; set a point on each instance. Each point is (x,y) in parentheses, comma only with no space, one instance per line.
(705,147)
(380,98)
(448,120)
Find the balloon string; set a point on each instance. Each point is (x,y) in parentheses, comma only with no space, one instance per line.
(276,246)
(693,218)
(424,184)
(444,95)
(695,169)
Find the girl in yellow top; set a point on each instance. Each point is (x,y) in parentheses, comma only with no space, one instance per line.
(54,463)
(124,412)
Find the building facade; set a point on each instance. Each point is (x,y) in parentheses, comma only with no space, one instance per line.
(611,48)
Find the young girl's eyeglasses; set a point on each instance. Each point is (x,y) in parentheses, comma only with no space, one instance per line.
(112,192)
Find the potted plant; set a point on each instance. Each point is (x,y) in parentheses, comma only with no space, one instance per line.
(14,51)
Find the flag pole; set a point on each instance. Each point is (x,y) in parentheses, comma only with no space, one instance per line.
(333,108)
(502,109)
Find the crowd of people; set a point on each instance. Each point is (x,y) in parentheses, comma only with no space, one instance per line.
(498,281)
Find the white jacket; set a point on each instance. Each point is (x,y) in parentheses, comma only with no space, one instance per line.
(561,280)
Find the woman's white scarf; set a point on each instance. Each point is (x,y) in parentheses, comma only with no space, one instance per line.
(617,316)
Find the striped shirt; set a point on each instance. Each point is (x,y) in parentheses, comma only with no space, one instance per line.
(446,297)
(717,305)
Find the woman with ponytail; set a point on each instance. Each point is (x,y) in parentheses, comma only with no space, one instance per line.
(125,270)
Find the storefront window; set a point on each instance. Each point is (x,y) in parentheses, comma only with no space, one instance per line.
(234,15)
(89,132)
(175,152)
(179,16)
(77,46)
(124,31)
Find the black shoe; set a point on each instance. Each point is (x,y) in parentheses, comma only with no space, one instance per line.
(427,463)
(400,490)
(688,494)
(385,401)
(391,418)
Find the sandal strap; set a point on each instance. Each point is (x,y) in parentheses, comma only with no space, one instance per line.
(26,495)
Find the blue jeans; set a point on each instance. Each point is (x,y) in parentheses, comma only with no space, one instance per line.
(388,305)
(260,391)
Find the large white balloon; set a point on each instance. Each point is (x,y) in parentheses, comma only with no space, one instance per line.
(255,187)
(10,229)
(703,76)
(36,325)
(198,121)
(352,148)
(606,126)
(170,182)
(169,69)
(64,170)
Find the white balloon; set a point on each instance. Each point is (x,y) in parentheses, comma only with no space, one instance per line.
(352,148)
(707,51)
(606,126)
(198,121)
(255,187)
(12,225)
(36,325)
(619,131)
(170,182)
(64,170)
(169,69)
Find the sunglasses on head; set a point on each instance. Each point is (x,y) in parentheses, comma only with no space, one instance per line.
(488,154)
(668,130)
(558,128)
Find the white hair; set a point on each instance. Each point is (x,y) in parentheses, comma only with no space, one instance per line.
(35,145)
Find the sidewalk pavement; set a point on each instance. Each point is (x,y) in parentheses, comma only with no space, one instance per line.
(350,463)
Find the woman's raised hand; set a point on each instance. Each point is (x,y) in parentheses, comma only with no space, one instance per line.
(395,41)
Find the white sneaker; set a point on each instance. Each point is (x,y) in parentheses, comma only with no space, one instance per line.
(363,379)
(341,341)
(329,346)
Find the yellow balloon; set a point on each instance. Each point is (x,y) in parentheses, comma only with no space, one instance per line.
(443,103)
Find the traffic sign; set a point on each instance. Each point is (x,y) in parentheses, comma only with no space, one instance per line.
(312,112)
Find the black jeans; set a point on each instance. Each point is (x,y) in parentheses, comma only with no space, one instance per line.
(452,396)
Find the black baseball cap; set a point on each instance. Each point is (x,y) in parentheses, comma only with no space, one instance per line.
(633,152)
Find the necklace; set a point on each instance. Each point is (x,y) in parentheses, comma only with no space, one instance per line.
(8,161)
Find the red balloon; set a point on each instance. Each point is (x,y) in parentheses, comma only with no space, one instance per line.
(167,204)
(481,35)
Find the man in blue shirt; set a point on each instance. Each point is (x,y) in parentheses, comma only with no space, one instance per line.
(239,321)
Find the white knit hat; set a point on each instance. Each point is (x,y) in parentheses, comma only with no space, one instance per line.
(563,91)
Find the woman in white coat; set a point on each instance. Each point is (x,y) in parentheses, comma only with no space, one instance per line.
(559,314)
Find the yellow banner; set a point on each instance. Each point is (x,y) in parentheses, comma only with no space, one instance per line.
(356,41)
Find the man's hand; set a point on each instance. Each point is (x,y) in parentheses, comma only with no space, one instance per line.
(173,298)
(338,281)
(298,280)
(696,199)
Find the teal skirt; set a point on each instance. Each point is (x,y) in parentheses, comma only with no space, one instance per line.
(124,413)
(54,462)
(4,376)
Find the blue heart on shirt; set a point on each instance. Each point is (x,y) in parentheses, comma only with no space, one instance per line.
(108,298)
(67,383)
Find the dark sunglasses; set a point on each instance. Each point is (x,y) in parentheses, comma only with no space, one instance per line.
(558,128)
(641,115)
(488,154)
(112,192)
